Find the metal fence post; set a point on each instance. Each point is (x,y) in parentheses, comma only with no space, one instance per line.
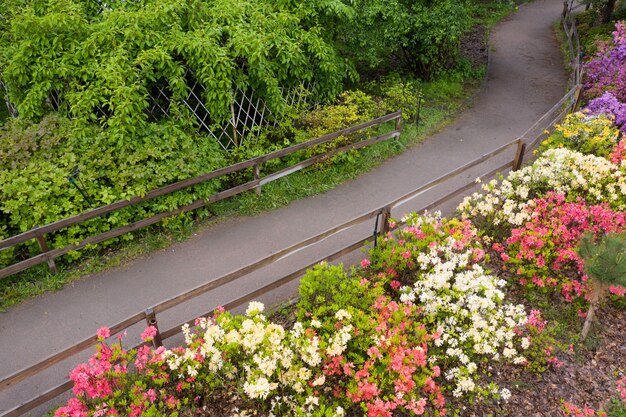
(419,108)
(152,321)
(44,248)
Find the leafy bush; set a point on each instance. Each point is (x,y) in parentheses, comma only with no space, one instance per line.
(102,61)
(37,159)
(501,206)
(587,134)
(422,36)
(543,251)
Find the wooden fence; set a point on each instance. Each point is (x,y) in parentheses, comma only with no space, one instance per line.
(568,20)
(47,255)
(379,215)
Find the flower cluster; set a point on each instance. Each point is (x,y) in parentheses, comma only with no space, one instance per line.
(608,105)
(542,252)
(105,386)
(502,205)
(606,71)
(395,373)
(259,360)
(571,410)
(618,154)
(585,133)
(433,263)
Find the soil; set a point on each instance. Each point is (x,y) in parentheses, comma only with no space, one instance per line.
(474,47)
(587,377)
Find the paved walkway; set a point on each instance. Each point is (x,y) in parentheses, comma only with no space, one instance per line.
(525,79)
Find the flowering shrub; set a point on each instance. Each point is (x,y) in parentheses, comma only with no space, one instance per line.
(104,385)
(587,134)
(395,373)
(618,154)
(542,252)
(262,364)
(384,367)
(433,264)
(503,205)
(607,69)
(610,106)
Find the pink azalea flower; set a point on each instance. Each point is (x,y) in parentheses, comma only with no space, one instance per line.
(103,333)
(149,333)
(365,263)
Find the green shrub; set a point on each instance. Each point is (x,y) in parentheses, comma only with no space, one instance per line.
(326,289)
(36,160)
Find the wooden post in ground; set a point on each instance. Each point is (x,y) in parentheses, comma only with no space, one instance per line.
(257,176)
(44,248)
(152,321)
(519,155)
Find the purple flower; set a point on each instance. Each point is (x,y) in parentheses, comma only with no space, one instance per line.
(610,106)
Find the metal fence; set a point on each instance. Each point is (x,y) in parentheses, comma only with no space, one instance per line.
(248,111)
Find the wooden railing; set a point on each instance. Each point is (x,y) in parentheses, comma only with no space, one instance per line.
(47,255)
(573,41)
(522,146)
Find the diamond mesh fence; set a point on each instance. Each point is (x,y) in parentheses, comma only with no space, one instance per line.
(248,111)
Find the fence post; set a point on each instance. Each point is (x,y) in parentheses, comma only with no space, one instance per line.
(384,227)
(519,155)
(257,176)
(399,121)
(419,108)
(152,321)
(44,248)
(576,100)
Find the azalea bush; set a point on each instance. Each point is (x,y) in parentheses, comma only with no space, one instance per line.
(584,133)
(542,253)
(258,363)
(397,336)
(501,205)
(609,105)
(606,71)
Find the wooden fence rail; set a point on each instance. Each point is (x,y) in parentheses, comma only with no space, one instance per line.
(48,256)
(381,215)
(573,41)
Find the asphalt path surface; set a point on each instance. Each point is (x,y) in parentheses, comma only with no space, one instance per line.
(525,79)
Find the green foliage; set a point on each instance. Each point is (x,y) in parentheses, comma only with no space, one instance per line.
(421,36)
(325,289)
(102,63)
(605,260)
(36,160)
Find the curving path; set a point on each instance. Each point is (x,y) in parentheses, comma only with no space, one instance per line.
(526,78)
